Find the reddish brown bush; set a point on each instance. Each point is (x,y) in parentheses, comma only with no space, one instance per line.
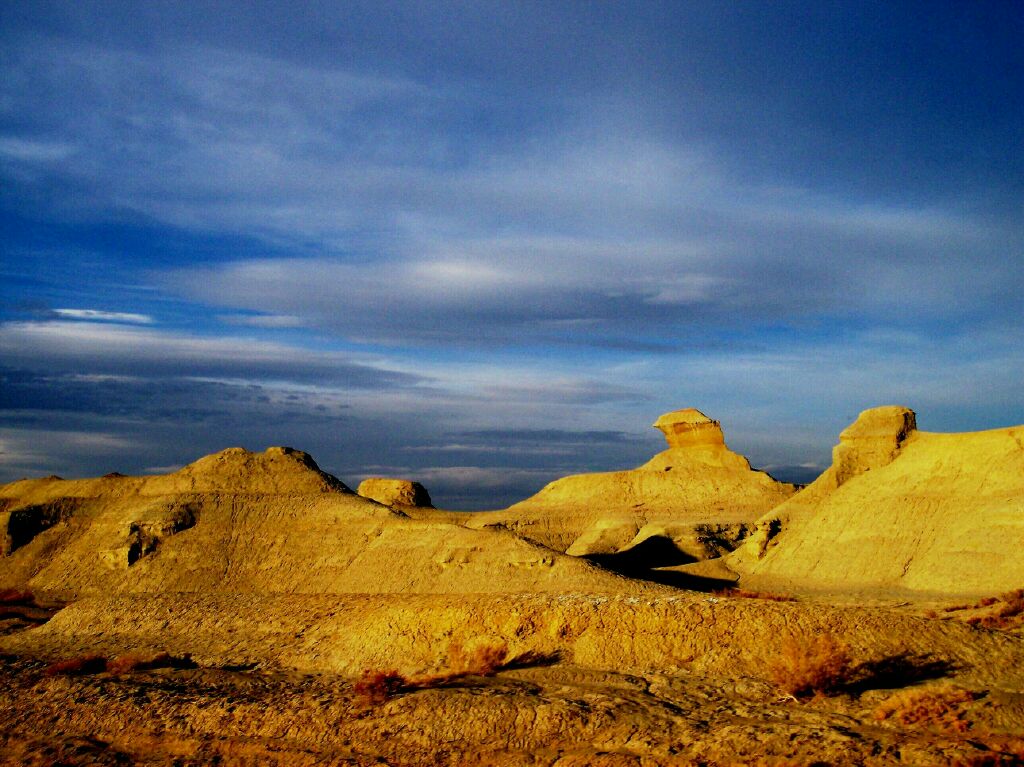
(16,597)
(375,687)
(129,662)
(83,664)
(804,666)
(1009,612)
(478,660)
(937,707)
(747,594)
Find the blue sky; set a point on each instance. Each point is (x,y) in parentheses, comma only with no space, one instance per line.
(484,245)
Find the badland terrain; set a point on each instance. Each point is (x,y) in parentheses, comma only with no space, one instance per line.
(252,609)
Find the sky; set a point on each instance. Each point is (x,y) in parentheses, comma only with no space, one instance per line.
(485,244)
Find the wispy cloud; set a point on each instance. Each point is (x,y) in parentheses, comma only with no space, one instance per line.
(269,321)
(113,349)
(96,315)
(462,245)
(33,150)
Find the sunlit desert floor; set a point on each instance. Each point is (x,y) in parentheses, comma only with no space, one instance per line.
(958,705)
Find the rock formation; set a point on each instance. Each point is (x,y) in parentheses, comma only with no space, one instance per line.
(698,482)
(269,522)
(395,492)
(899,509)
(872,441)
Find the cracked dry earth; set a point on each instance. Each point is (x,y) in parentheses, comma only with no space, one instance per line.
(546,715)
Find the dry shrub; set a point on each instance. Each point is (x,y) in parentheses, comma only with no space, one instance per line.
(16,597)
(124,664)
(1009,613)
(83,664)
(481,659)
(1005,612)
(375,687)
(938,707)
(747,594)
(478,660)
(804,666)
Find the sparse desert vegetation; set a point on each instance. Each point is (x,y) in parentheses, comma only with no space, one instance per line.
(1003,612)
(941,707)
(143,661)
(374,687)
(810,665)
(16,597)
(90,663)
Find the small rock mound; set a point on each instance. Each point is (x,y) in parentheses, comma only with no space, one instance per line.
(395,492)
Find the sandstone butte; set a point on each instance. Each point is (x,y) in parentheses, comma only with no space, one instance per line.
(697,496)
(282,585)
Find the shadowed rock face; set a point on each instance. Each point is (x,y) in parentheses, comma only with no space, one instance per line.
(395,492)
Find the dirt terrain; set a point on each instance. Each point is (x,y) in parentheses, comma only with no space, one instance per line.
(251,609)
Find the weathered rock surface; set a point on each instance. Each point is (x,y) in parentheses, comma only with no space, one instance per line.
(667,632)
(697,481)
(900,509)
(269,522)
(395,492)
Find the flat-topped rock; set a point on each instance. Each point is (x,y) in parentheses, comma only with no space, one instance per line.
(689,428)
(395,492)
(872,441)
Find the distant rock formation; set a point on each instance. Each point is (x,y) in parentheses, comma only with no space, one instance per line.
(395,492)
(689,428)
(698,488)
(899,509)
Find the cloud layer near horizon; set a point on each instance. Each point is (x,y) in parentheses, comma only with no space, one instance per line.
(376,235)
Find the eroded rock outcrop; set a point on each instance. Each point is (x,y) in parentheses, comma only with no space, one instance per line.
(872,441)
(258,523)
(395,492)
(899,509)
(697,481)
(689,428)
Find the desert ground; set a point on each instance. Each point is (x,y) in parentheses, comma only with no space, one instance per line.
(251,609)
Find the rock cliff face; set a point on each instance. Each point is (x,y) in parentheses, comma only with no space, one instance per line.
(697,484)
(395,492)
(899,509)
